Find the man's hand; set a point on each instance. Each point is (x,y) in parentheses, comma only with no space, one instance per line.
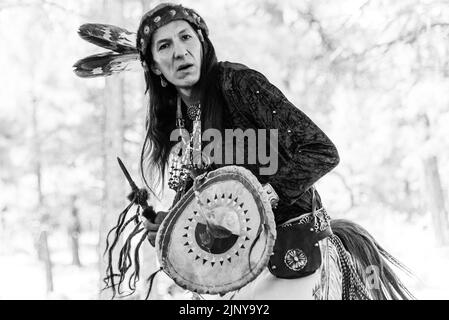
(152,228)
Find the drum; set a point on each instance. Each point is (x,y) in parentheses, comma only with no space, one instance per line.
(221,233)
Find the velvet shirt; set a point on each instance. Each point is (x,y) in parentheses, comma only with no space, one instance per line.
(305,153)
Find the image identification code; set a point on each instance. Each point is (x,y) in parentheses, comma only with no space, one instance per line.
(230,310)
(226,310)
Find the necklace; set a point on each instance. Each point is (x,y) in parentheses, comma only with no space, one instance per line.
(185,159)
(193,111)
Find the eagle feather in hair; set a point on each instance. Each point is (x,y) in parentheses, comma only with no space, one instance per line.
(105,64)
(109,37)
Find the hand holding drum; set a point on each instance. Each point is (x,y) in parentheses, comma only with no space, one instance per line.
(153,226)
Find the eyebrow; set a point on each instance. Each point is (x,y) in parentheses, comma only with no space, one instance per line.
(168,39)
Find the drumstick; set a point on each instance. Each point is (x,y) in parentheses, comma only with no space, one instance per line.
(127,175)
(140,196)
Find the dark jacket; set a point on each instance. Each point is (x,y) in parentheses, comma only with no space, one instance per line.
(305,152)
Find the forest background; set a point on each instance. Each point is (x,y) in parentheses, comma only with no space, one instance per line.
(374,75)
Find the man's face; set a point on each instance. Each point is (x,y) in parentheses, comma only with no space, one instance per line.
(177,54)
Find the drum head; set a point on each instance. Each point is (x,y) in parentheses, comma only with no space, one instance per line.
(211,265)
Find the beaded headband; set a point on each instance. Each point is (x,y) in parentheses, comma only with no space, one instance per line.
(162,15)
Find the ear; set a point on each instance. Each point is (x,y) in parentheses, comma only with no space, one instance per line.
(155,70)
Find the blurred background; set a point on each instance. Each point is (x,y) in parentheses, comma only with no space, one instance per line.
(374,75)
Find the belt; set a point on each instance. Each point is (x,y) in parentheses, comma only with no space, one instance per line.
(322,221)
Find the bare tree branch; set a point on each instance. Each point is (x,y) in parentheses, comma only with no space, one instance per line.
(408,37)
(314,22)
(358,12)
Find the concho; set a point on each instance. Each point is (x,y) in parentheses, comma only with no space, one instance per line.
(218,237)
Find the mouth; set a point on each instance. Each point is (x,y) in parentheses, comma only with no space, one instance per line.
(184,66)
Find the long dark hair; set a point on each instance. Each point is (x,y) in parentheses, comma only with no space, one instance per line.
(161,113)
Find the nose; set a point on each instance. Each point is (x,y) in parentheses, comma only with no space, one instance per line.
(180,50)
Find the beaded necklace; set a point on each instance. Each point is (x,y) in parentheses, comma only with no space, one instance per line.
(182,162)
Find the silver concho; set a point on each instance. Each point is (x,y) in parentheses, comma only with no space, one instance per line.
(295,259)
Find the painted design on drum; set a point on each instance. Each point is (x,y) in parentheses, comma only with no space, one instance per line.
(295,259)
(219,252)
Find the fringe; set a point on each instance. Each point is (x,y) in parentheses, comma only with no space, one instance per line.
(114,280)
(365,253)
(150,280)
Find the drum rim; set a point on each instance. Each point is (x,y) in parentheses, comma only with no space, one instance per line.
(163,238)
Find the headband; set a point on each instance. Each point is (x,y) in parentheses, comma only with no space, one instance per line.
(162,15)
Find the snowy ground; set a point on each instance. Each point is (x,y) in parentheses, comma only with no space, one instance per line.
(23,277)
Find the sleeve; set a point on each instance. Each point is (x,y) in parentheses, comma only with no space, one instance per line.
(305,153)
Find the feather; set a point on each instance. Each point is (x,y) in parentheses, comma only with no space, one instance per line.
(106,63)
(109,37)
